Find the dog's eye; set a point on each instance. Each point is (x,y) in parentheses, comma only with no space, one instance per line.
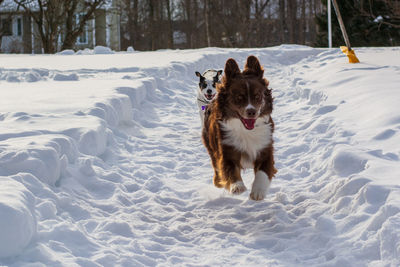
(239,98)
(258,97)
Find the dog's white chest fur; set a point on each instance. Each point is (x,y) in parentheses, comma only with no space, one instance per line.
(247,141)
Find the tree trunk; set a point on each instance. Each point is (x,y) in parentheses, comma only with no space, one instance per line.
(292,16)
(245,26)
(170,32)
(259,15)
(132,24)
(207,22)
(303,23)
(152,26)
(45,37)
(74,30)
(282,21)
(188,27)
(69,9)
(194,32)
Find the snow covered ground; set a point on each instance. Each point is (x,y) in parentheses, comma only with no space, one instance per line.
(101,162)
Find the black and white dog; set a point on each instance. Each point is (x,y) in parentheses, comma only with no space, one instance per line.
(207,92)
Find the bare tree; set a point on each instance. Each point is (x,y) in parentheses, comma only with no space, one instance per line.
(282,21)
(77,14)
(245,25)
(53,17)
(48,16)
(259,7)
(148,24)
(195,29)
(207,21)
(303,23)
(131,9)
(170,36)
(152,22)
(186,16)
(292,20)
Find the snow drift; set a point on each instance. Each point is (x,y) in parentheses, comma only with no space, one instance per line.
(101,162)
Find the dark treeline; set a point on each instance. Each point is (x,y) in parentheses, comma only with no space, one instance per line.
(155,24)
(53,25)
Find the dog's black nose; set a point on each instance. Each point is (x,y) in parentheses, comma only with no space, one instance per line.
(251,112)
(209,91)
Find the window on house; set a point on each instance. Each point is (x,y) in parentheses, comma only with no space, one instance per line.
(83,38)
(6,27)
(19,26)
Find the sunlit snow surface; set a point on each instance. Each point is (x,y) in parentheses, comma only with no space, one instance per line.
(101,162)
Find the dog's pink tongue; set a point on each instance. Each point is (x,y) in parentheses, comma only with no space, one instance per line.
(249,123)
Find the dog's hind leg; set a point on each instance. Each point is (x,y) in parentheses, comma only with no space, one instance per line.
(217,179)
(237,188)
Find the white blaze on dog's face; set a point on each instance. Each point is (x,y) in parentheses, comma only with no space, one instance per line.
(208,83)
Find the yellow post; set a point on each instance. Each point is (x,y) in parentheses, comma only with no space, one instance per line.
(350,54)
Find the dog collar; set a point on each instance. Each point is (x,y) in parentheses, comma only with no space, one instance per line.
(203,107)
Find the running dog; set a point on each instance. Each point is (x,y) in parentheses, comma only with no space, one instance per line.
(207,92)
(238,129)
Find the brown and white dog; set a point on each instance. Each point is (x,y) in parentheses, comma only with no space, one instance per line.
(238,129)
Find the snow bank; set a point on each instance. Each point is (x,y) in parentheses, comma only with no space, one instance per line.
(98,50)
(17,220)
(39,158)
(101,162)
(66,52)
(102,50)
(66,77)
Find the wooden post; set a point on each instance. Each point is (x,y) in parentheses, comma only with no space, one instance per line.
(342,28)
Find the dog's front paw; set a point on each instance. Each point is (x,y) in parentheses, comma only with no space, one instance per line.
(260,186)
(258,194)
(237,188)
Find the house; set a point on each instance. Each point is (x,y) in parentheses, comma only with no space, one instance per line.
(19,33)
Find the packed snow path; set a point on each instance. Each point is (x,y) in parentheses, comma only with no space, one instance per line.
(119,177)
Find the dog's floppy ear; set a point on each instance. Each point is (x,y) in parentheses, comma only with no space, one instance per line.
(198,74)
(253,67)
(231,69)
